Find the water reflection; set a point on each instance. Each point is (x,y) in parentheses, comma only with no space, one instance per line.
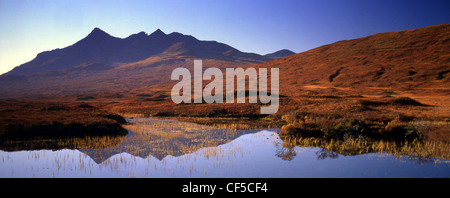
(420,159)
(325,153)
(160,138)
(146,137)
(167,148)
(285,150)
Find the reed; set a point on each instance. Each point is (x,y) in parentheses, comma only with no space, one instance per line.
(427,149)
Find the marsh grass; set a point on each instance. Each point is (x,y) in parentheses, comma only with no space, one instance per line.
(352,136)
(162,137)
(234,123)
(146,136)
(427,149)
(77,142)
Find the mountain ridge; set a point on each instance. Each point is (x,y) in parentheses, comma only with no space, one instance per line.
(100,62)
(100,47)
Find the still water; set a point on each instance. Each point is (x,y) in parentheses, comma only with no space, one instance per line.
(167,148)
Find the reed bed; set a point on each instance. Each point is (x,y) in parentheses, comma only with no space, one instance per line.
(234,123)
(147,137)
(82,142)
(427,149)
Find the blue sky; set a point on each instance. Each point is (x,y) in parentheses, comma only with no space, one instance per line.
(28,27)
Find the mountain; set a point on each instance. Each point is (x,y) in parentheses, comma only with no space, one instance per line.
(411,61)
(104,63)
(416,60)
(280,53)
(101,48)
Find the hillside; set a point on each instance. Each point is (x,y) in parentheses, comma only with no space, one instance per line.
(386,78)
(414,60)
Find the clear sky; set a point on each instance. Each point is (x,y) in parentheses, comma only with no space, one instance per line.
(28,27)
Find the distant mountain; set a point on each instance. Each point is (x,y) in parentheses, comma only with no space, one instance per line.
(280,53)
(104,63)
(101,48)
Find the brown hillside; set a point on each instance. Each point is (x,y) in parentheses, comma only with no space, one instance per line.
(415,60)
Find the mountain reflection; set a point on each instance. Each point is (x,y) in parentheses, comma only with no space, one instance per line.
(146,137)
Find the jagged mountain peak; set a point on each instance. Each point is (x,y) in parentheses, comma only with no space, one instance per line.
(96,32)
(158,33)
(139,36)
